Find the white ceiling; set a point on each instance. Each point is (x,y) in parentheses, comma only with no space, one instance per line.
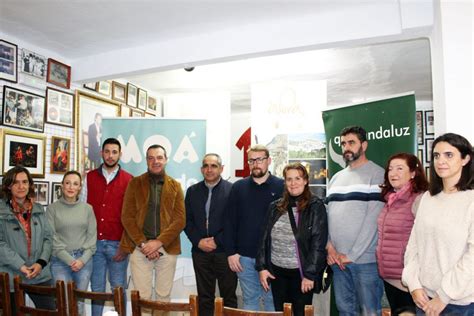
(78,28)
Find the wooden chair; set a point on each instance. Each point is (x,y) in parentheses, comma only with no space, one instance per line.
(5,303)
(309,310)
(221,310)
(138,303)
(73,294)
(58,292)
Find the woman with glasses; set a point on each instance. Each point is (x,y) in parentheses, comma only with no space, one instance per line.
(25,236)
(439,260)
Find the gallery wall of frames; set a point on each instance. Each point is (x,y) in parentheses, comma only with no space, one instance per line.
(51,126)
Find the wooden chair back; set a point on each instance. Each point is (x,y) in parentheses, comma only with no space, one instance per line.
(58,292)
(73,295)
(139,303)
(5,303)
(221,310)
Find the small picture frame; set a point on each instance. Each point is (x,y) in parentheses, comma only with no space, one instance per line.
(22,109)
(56,191)
(419,127)
(41,192)
(104,87)
(132,95)
(8,61)
(59,107)
(137,113)
(428,174)
(24,149)
(119,92)
(91,86)
(60,154)
(152,105)
(420,155)
(142,99)
(428,145)
(33,64)
(429,122)
(124,111)
(59,74)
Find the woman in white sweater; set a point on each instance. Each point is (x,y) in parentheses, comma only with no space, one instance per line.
(439,260)
(75,234)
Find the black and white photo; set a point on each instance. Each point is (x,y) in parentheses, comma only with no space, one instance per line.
(8,61)
(33,64)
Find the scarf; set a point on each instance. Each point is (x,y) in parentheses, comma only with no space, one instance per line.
(395,195)
(23,214)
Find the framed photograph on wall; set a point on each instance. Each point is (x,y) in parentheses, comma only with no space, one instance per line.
(90,86)
(124,111)
(91,110)
(137,113)
(428,145)
(33,64)
(142,99)
(22,109)
(24,149)
(429,122)
(41,192)
(420,155)
(56,191)
(59,107)
(132,94)
(60,154)
(119,92)
(428,174)
(59,73)
(104,87)
(419,127)
(8,61)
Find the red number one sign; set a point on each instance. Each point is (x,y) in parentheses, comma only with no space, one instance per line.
(244,144)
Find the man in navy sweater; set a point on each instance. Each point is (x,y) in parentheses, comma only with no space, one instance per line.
(205,213)
(248,203)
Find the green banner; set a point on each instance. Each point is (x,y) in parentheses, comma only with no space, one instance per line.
(390,126)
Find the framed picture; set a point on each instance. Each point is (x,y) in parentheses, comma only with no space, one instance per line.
(428,145)
(56,191)
(41,192)
(104,87)
(24,149)
(33,64)
(149,114)
(428,174)
(420,155)
(91,86)
(429,122)
(124,111)
(137,113)
(91,110)
(419,127)
(60,154)
(8,61)
(132,94)
(142,99)
(59,73)
(119,92)
(22,109)
(59,107)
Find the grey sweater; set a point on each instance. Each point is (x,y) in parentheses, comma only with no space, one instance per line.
(74,228)
(353,206)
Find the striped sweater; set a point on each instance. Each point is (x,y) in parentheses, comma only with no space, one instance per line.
(353,206)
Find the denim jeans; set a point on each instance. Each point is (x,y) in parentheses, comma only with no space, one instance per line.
(103,265)
(252,291)
(62,271)
(453,310)
(358,289)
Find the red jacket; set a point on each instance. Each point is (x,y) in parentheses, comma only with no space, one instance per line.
(394,227)
(106,200)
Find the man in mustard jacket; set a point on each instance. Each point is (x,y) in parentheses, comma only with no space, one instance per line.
(153,216)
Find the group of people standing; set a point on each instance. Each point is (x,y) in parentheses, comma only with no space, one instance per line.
(376,229)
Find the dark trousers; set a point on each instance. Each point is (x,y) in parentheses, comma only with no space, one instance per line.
(400,301)
(286,288)
(40,301)
(209,268)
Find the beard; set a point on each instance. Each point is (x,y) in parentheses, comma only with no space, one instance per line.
(258,173)
(110,165)
(350,156)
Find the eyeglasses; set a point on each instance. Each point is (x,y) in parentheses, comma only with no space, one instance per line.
(258,160)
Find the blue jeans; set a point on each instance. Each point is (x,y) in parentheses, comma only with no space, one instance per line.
(103,263)
(252,290)
(358,289)
(62,271)
(453,310)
